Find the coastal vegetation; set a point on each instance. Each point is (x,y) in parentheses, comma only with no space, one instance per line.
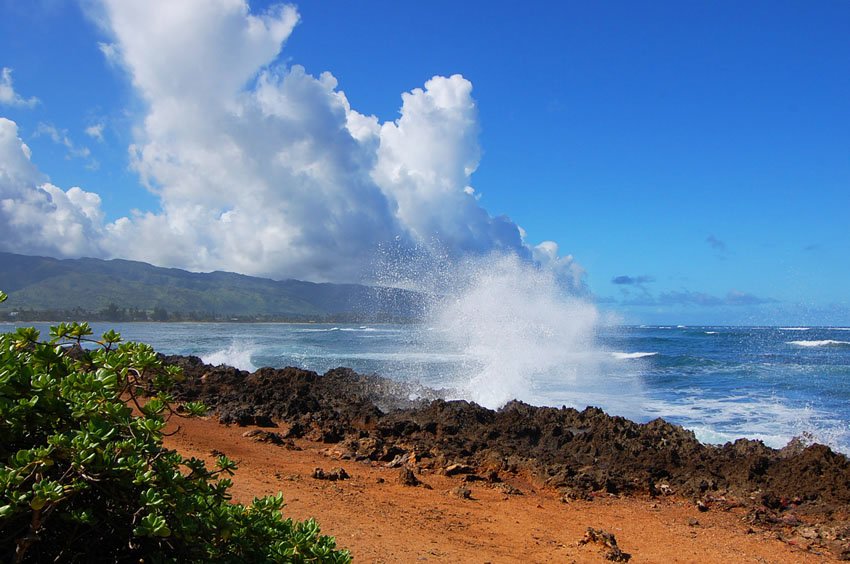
(84,475)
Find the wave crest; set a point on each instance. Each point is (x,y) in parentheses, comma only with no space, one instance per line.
(823,343)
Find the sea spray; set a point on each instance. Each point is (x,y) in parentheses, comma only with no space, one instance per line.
(516,327)
(237,354)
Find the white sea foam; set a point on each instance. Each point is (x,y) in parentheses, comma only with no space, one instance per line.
(632,355)
(760,417)
(823,343)
(362,329)
(795,328)
(237,355)
(711,332)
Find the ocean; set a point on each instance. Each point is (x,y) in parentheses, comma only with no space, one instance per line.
(766,383)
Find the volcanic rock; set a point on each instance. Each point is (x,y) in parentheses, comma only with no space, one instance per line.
(582,453)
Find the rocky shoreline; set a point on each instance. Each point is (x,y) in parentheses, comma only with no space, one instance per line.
(801,491)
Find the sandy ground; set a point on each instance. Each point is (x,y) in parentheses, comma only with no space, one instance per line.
(381,520)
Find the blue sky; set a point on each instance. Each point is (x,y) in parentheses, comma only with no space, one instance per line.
(693,158)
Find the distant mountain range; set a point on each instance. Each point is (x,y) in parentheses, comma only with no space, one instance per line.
(48,288)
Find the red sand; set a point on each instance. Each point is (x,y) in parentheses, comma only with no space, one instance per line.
(380,520)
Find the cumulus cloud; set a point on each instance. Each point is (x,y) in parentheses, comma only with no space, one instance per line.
(8,95)
(267,170)
(569,272)
(36,216)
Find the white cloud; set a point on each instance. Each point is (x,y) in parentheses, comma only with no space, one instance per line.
(37,217)
(61,138)
(570,273)
(425,162)
(95,131)
(267,170)
(8,95)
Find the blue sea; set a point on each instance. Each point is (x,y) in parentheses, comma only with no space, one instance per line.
(767,383)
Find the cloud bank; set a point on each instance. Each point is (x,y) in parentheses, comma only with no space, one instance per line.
(265,169)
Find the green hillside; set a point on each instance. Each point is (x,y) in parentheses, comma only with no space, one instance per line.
(45,284)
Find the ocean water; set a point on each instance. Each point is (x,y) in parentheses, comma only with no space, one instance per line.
(767,383)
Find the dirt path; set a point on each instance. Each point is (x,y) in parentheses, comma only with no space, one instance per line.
(381,520)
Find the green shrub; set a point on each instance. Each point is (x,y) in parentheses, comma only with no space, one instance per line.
(84,478)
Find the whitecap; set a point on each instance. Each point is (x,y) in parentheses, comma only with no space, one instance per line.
(794,328)
(632,355)
(824,343)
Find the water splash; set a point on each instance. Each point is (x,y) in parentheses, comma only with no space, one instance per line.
(237,354)
(517,328)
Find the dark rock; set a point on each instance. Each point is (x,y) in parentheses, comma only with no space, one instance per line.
(608,542)
(455,469)
(582,453)
(461,492)
(261,436)
(507,489)
(407,477)
(333,475)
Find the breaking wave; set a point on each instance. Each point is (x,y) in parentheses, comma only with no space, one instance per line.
(823,343)
(238,355)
